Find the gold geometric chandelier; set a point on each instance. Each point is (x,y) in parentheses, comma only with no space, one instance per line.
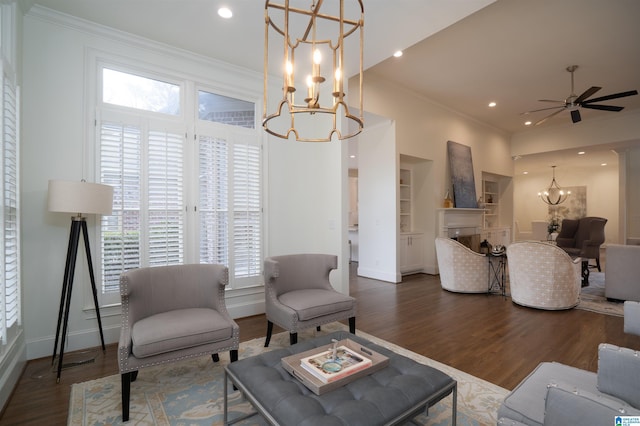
(554,195)
(312,63)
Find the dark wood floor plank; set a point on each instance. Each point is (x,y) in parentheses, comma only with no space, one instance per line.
(484,335)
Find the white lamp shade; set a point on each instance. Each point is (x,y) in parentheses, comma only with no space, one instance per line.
(80,197)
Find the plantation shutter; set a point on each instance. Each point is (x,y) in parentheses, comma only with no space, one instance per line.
(146,227)
(165,198)
(247,214)
(120,167)
(213,218)
(10,291)
(230,197)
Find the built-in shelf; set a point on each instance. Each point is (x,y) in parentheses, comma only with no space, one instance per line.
(406,201)
(491,199)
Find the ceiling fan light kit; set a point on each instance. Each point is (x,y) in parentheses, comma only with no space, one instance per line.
(573,103)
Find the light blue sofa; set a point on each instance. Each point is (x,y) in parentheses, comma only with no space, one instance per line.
(621,280)
(555,394)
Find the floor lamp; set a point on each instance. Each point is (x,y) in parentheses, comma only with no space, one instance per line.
(80,198)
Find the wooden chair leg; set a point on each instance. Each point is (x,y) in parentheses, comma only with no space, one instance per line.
(125,379)
(352,325)
(215,357)
(318,328)
(598,263)
(269,331)
(233,354)
(293,338)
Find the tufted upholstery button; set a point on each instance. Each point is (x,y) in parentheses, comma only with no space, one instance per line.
(374,399)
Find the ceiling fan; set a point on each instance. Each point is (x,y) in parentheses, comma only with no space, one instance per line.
(573,103)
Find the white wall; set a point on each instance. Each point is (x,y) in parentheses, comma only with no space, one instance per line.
(305,210)
(613,128)
(422,131)
(601,200)
(609,194)
(630,193)
(377,194)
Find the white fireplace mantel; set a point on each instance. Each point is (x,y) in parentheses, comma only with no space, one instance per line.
(456,222)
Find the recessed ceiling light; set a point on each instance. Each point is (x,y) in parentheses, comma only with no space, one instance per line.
(225,12)
(352,156)
(525,173)
(527,123)
(603,164)
(492,104)
(580,152)
(397,53)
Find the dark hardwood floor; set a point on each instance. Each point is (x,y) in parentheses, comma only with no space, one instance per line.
(484,335)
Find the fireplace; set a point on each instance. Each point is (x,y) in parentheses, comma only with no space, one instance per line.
(472,241)
(463,225)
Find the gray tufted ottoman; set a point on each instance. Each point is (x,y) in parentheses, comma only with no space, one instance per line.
(393,395)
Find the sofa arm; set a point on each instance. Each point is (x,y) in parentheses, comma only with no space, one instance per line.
(619,373)
(632,317)
(567,405)
(565,242)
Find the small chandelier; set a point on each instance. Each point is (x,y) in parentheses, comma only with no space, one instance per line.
(311,106)
(554,195)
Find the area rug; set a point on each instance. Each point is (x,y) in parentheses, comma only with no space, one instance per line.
(190,393)
(592,297)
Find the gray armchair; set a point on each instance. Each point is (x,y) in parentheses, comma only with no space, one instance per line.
(170,313)
(298,294)
(583,238)
(557,394)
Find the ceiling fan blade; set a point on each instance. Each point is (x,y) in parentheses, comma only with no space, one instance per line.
(575,116)
(604,107)
(587,93)
(550,100)
(613,96)
(541,109)
(548,117)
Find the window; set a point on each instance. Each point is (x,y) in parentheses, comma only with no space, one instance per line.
(222,109)
(10,315)
(163,211)
(230,213)
(134,91)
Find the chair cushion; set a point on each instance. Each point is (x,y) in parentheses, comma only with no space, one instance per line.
(178,329)
(619,373)
(575,252)
(313,303)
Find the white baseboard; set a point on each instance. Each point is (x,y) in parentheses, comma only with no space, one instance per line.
(88,338)
(379,275)
(12,364)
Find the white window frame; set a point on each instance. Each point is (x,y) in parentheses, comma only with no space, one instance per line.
(188,122)
(10,280)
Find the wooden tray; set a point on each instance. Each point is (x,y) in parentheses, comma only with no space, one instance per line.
(292,365)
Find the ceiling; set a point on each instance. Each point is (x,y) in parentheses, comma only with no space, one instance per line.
(460,54)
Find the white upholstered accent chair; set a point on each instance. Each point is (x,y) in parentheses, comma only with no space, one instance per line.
(462,270)
(171,313)
(299,295)
(543,276)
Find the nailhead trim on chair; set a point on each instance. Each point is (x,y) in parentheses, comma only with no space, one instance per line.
(125,368)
